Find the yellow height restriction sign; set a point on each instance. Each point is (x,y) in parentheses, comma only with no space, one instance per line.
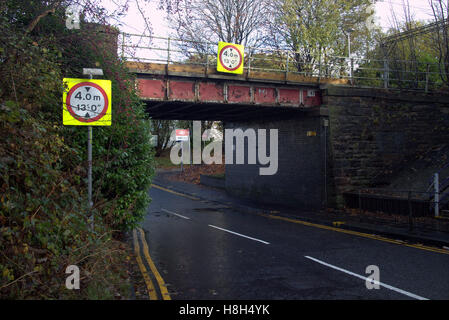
(87,102)
(230,58)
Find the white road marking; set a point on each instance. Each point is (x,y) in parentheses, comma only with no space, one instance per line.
(239,234)
(176,214)
(409,294)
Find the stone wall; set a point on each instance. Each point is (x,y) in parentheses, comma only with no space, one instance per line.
(375,132)
(372,135)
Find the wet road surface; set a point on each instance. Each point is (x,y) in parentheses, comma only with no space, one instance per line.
(205,250)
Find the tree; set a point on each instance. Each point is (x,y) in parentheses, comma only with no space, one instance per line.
(314,29)
(43,207)
(440,11)
(235,21)
(163,130)
(408,55)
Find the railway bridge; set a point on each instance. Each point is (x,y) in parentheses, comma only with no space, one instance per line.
(334,135)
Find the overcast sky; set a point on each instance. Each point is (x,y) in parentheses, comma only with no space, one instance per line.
(133,22)
(420,9)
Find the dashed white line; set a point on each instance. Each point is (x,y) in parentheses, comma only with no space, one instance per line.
(409,294)
(176,214)
(238,234)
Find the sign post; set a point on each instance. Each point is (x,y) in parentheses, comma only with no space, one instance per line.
(89,170)
(89,164)
(181,136)
(88,103)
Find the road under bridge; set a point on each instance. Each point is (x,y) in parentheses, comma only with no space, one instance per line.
(332,137)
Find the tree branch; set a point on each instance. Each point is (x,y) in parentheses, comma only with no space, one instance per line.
(36,20)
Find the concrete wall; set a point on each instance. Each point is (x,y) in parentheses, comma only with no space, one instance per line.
(374,133)
(299,181)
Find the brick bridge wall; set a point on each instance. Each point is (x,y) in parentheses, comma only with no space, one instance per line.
(299,180)
(375,132)
(372,133)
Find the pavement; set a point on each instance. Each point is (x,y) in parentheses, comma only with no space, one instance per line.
(437,235)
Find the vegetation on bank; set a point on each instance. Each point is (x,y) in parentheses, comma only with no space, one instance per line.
(44,217)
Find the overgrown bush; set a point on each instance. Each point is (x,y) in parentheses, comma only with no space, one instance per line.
(44,218)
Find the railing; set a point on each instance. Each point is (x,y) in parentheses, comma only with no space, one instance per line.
(438,192)
(394,74)
(411,209)
(415,203)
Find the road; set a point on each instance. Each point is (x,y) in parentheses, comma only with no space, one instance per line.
(205,250)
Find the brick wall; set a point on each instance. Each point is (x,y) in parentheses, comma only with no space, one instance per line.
(372,134)
(299,180)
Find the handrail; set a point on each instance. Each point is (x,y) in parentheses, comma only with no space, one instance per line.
(265,49)
(358,70)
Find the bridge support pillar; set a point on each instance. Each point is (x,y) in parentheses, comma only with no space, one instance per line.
(301,176)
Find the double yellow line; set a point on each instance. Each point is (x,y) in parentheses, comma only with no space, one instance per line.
(174,192)
(360,234)
(152,294)
(336,228)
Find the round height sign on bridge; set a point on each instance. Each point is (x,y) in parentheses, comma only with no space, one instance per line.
(230,58)
(87,102)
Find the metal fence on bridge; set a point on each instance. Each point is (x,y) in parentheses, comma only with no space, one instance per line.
(393,74)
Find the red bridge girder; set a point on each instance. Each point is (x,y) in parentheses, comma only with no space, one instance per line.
(192,92)
(227,92)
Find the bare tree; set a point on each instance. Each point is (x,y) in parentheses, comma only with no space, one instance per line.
(235,21)
(440,11)
(402,55)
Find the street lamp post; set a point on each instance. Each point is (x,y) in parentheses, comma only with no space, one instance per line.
(349,44)
(349,31)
